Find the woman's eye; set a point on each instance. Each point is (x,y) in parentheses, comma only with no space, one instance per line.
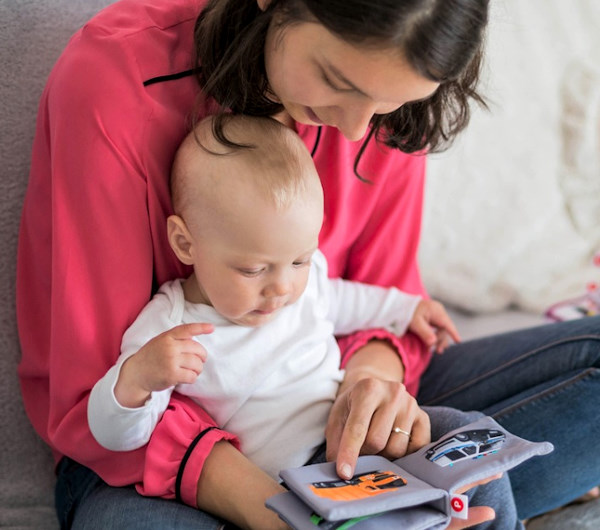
(331,84)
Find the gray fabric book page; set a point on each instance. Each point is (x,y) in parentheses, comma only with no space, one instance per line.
(471,453)
(378,486)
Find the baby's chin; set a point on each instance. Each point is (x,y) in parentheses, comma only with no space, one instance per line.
(254,319)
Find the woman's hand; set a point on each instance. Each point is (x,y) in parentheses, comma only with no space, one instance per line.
(371,403)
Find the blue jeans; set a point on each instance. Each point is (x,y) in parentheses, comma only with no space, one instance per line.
(85,501)
(541,384)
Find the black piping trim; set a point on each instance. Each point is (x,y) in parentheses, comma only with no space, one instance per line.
(318,139)
(186,457)
(171,77)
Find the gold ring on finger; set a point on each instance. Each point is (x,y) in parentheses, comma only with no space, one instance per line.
(398,430)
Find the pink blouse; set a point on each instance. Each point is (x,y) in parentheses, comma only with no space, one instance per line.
(93,242)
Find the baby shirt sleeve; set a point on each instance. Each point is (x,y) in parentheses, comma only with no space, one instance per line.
(120,428)
(353,306)
(371,233)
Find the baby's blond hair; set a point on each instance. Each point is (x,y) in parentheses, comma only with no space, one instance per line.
(269,158)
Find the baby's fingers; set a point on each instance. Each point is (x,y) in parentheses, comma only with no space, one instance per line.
(192,347)
(187,331)
(441,320)
(424,331)
(450,328)
(191,367)
(442,341)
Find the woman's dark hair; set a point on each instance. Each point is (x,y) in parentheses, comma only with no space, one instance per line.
(441,39)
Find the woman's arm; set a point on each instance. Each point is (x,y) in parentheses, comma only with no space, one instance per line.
(371,234)
(92,242)
(377,359)
(235,489)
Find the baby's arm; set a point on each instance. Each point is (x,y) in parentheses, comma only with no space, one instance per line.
(126,404)
(171,358)
(368,306)
(354,305)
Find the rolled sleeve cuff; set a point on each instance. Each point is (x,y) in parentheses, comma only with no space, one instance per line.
(414,354)
(177,450)
(191,466)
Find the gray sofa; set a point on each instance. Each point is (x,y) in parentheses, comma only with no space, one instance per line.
(32,34)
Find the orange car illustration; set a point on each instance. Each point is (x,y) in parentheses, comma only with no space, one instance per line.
(360,486)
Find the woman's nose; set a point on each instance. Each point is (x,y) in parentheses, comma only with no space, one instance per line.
(355,119)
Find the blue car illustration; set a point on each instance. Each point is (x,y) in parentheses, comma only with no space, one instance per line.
(466,445)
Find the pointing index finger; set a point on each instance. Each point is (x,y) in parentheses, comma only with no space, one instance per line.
(186,331)
(353,437)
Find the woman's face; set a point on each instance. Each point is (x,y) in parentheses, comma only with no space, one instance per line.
(322,80)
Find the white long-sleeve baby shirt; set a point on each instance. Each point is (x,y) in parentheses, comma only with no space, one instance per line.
(273,385)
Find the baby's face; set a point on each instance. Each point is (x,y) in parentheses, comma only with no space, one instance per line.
(256,262)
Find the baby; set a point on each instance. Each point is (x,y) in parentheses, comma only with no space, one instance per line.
(250,335)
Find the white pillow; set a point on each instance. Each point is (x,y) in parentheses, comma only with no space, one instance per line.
(512,211)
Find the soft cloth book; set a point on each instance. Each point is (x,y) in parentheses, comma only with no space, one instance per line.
(415,492)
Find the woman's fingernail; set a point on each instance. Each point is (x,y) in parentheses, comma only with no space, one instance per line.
(346,471)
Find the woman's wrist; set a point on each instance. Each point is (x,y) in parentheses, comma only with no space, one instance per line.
(377,359)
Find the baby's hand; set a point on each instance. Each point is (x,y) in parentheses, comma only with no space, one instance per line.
(433,326)
(168,359)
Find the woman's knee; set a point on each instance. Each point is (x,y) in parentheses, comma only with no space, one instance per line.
(109,507)
(445,419)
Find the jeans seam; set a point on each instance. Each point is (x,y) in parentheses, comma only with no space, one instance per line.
(548,393)
(512,362)
(68,498)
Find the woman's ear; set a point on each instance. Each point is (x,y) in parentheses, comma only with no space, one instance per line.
(180,239)
(263,4)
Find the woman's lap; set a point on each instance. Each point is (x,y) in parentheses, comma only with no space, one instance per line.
(85,501)
(541,384)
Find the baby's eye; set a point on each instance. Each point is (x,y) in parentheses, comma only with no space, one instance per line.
(301,263)
(250,273)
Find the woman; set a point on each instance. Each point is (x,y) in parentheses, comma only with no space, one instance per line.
(93,245)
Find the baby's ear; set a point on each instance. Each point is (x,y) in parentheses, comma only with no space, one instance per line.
(180,239)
